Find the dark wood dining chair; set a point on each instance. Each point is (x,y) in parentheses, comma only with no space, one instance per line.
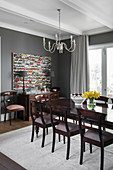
(40,119)
(64,127)
(54,95)
(10,105)
(93,135)
(101,101)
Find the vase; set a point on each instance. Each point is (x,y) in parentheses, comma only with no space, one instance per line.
(91,104)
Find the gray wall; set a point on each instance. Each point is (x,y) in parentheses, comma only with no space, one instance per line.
(101,38)
(64,61)
(13,41)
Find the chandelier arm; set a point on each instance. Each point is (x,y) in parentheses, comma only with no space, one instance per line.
(72,44)
(69,50)
(53,49)
(53,46)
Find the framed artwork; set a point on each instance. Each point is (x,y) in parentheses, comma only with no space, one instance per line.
(38,72)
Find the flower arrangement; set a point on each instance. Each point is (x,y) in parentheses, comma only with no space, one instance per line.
(91,95)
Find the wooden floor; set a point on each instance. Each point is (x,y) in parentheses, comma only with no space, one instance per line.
(15,124)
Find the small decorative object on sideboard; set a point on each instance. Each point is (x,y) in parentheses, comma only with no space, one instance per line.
(77,98)
(91,95)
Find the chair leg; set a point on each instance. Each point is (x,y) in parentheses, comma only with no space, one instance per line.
(59,137)
(68,147)
(43,140)
(53,144)
(37,130)
(64,139)
(32,136)
(14,115)
(10,117)
(47,130)
(5,116)
(102,159)
(90,148)
(23,114)
(59,134)
(81,154)
(84,146)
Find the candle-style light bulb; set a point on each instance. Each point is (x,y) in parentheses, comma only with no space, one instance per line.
(71,37)
(49,45)
(44,41)
(74,41)
(56,36)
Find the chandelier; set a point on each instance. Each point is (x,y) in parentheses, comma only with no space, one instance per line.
(59,45)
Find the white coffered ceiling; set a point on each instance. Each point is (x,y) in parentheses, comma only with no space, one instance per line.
(40,17)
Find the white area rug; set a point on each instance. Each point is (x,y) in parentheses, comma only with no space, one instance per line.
(17,146)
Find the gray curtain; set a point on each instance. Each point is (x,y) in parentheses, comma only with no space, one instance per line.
(79,78)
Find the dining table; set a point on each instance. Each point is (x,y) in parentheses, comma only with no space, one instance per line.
(73,114)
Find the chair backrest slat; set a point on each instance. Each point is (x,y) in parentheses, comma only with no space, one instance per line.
(9,97)
(37,109)
(60,109)
(91,116)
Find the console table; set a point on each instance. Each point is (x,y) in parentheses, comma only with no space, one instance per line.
(25,99)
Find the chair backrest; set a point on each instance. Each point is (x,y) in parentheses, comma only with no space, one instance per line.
(63,110)
(54,95)
(42,97)
(101,101)
(37,110)
(91,117)
(9,97)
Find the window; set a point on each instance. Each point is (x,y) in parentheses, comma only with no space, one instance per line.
(95,70)
(101,70)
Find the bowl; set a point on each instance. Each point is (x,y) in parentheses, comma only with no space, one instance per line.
(78,100)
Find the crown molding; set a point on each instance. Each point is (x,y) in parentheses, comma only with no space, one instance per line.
(25,30)
(90,11)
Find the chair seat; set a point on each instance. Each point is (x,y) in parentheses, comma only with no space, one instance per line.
(14,107)
(47,120)
(94,135)
(72,127)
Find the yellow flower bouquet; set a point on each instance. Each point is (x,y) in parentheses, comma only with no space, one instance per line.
(91,95)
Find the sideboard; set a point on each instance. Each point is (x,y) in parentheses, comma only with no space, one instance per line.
(25,99)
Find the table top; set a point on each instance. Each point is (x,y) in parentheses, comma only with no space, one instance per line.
(73,110)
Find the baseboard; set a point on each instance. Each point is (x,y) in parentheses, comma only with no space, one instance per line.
(7,116)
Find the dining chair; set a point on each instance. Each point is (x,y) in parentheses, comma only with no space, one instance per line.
(93,135)
(10,105)
(64,127)
(54,95)
(40,119)
(101,101)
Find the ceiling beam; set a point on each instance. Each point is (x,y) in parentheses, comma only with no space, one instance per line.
(19,11)
(90,11)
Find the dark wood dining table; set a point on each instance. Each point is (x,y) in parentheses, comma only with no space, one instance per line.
(108,122)
(72,114)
